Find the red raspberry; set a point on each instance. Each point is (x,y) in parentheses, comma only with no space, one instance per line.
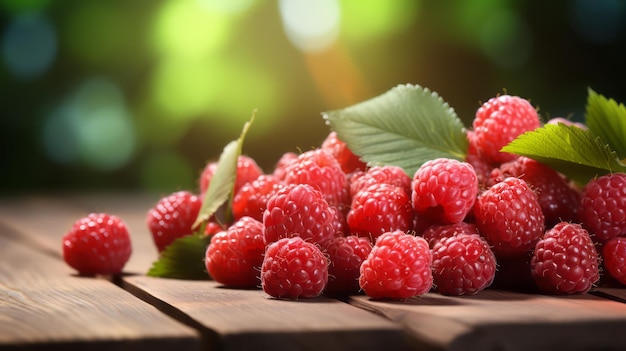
(444,190)
(247,171)
(463,264)
(378,175)
(499,121)
(212,227)
(558,199)
(97,244)
(509,216)
(280,171)
(378,209)
(234,256)
(299,210)
(565,260)
(437,232)
(346,255)
(614,254)
(172,217)
(293,268)
(321,170)
(602,207)
(347,159)
(251,199)
(398,267)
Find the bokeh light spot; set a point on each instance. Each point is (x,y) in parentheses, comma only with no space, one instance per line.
(505,39)
(365,20)
(29,46)
(92,127)
(598,21)
(310,25)
(227,6)
(190,29)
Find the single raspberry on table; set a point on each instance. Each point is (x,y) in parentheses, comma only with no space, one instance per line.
(320,169)
(247,171)
(614,254)
(437,232)
(347,159)
(444,190)
(172,217)
(346,255)
(500,120)
(299,210)
(293,268)
(251,199)
(565,260)
(509,216)
(398,267)
(234,256)
(393,175)
(602,208)
(97,244)
(380,208)
(558,199)
(463,264)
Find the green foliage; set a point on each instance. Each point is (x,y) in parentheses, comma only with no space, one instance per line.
(183,259)
(607,119)
(405,127)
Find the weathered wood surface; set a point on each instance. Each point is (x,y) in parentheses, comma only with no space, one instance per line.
(205,314)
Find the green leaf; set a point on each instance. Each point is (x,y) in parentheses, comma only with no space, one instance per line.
(222,185)
(607,119)
(577,153)
(405,127)
(183,259)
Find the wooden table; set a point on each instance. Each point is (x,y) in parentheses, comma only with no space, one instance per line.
(45,305)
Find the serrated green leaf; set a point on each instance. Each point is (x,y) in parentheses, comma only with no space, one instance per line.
(222,185)
(405,127)
(607,119)
(183,259)
(575,152)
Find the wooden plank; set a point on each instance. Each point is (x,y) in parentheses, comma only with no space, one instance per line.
(44,305)
(236,319)
(496,320)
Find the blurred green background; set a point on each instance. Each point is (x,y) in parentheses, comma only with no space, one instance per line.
(139,95)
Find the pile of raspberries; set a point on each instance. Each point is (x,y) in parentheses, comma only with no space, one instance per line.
(323,222)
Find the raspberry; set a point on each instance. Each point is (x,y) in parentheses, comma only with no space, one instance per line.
(463,264)
(602,207)
(565,260)
(293,268)
(251,199)
(444,190)
(378,209)
(321,170)
(558,199)
(398,267)
(97,244)
(500,120)
(280,170)
(437,232)
(378,175)
(172,217)
(614,254)
(347,159)
(509,216)
(346,255)
(234,256)
(299,210)
(247,171)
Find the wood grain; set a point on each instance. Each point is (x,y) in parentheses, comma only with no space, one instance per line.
(43,304)
(496,320)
